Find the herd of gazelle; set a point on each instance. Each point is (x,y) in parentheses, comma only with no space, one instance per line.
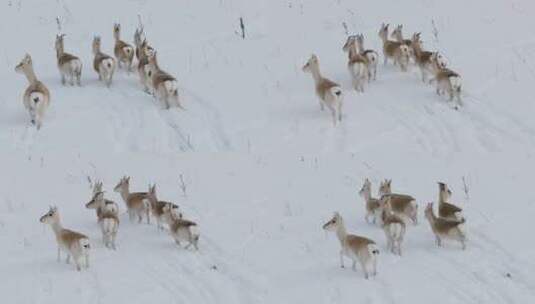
(139,205)
(362,66)
(155,81)
(392,212)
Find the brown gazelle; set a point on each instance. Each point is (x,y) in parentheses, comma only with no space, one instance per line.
(73,243)
(161,210)
(103,64)
(109,224)
(372,204)
(444,228)
(183,231)
(98,203)
(329,92)
(394,228)
(137,203)
(445,209)
(447,81)
(357,248)
(371,55)
(164,86)
(401,204)
(36,97)
(123,51)
(69,65)
(394,50)
(425,60)
(357,64)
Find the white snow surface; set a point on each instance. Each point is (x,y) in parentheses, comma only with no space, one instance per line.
(263,167)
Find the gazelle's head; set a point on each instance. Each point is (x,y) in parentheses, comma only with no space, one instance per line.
(366,188)
(96,201)
(397,33)
(147,50)
(383,32)
(333,223)
(350,42)
(360,39)
(312,62)
(405,50)
(152,193)
(96,44)
(51,216)
(117,31)
(173,211)
(444,191)
(139,36)
(59,43)
(385,187)
(124,184)
(439,60)
(23,64)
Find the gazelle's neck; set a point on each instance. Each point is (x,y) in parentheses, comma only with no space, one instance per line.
(56,227)
(125,192)
(341,232)
(315,71)
(59,51)
(30,74)
(441,197)
(368,194)
(353,51)
(360,47)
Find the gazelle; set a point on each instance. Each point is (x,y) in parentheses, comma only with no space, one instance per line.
(371,55)
(161,210)
(357,64)
(36,97)
(372,204)
(123,51)
(73,243)
(447,81)
(394,50)
(143,68)
(426,61)
(401,204)
(183,231)
(69,65)
(103,64)
(447,210)
(109,224)
(357,248)
(444,228)
(164,86)
(394,228)
(98,202)
(329,92)
(137,203)
(139,37)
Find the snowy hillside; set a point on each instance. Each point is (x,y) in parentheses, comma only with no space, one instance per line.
(263,167)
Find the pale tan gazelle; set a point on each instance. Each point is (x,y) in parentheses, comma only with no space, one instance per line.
(36,98)
(426,61)
(394,50)
(446,209)
(373,205)
(73,243)
(183,231)
(123,51)
(143,67)
(109,224)
(357,64)
(164,86)
(401,204)
(371,55)
(447,81)
(394,228)
(103,64)
(161,210)
(70,66)
(444,228)
(357,248)
(329,92)
(137,203)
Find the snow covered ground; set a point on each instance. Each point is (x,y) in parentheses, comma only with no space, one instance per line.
(262,165)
